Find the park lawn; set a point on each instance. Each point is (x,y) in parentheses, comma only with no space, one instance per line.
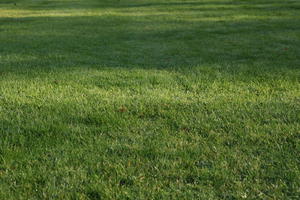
(150,99)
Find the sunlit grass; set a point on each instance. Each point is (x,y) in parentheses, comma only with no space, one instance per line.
(152,99)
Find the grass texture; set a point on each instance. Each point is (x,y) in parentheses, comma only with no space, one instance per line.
(150,99)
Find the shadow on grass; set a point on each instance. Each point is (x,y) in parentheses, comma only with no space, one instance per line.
(153,40)
(90,4)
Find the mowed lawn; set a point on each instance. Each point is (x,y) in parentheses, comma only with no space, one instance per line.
(150,99)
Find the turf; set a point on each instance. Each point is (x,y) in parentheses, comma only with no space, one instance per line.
(150,99)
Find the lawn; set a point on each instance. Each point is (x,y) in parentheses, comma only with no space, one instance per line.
(150,99)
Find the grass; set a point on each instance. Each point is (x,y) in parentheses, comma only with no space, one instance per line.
(150,99)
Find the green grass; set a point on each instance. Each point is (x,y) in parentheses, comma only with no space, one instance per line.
(150,99)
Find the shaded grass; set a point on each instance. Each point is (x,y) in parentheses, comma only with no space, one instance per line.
(149,100)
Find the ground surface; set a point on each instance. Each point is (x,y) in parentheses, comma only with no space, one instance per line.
(150,99)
